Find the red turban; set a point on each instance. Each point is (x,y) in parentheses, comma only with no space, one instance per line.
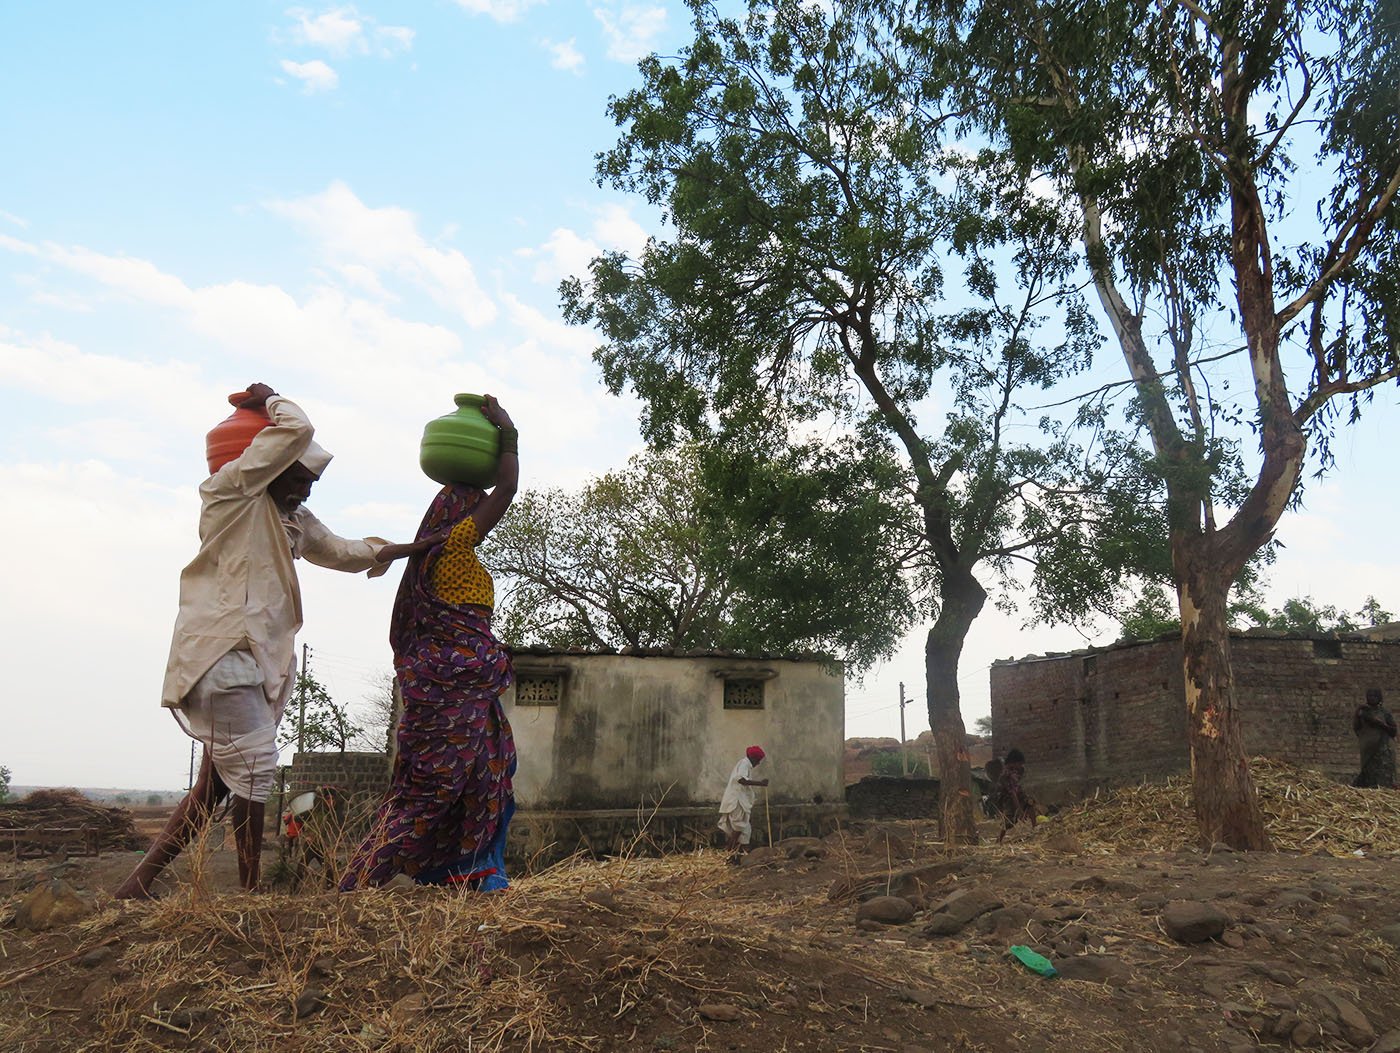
(755,754)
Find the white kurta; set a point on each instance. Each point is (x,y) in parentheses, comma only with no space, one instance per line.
(240,592)
(737,796)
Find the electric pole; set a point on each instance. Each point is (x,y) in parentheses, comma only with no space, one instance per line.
(301,698)
(903,752)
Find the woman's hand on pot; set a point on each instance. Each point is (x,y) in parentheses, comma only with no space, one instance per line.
(492,411)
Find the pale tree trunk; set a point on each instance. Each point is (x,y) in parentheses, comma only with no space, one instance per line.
(1227,808)
(962,600)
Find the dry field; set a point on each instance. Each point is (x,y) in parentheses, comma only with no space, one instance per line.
(690,952)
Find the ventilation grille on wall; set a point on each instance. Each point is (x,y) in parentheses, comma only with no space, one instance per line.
(743,694)
(539,689)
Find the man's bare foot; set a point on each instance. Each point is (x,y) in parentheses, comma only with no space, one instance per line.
(131,889)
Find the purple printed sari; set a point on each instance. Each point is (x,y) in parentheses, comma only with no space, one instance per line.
(445,815)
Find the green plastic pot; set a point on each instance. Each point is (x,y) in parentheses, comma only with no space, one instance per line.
(461,447)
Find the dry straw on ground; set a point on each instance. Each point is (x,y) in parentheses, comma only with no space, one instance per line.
(1306,812)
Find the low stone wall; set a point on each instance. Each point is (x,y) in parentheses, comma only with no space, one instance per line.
(888,797)
(539,838)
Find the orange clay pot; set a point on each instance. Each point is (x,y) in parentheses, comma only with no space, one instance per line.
(230,437)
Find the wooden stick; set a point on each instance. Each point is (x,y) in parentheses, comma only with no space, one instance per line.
(768,815)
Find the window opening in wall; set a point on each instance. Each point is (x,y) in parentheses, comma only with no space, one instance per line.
(1327,648)
(539,689)
(743,694)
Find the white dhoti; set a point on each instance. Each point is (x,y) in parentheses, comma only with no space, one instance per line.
(736,822)
(229,712)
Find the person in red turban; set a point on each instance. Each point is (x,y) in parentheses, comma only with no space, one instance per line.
(736,806)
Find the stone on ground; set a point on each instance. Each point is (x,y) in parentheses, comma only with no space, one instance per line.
(890,910)
(1191,921)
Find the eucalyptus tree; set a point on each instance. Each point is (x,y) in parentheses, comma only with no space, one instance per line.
(831,266)
(695,549)
(1231,167)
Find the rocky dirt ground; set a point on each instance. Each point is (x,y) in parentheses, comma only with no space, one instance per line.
(872,939)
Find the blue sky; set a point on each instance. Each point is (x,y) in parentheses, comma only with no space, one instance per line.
(368,207)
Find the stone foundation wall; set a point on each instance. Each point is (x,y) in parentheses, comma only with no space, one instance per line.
(1100,718)
(887,797)
(540,838)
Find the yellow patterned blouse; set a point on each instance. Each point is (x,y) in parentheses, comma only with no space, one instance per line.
(458,576)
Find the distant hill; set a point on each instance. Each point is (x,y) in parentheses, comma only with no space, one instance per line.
(110,794)
(859,760)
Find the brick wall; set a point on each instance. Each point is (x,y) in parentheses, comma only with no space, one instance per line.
(356,774)
(1102,717)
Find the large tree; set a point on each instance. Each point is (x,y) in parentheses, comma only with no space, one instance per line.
(694,548)
(815,218)
(1231,166)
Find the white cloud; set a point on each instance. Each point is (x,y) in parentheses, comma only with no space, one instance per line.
(616,229)
(391,40)
(344,31)
(111,442)
(564,55)
(387,239)
(10,217)
(566,252)
(500,10)
(327,330)
(563,253)
(59,371)
(338,31)
(62,301)
(315,76)
(631,29)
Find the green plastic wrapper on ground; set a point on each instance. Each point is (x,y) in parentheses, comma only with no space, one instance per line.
(1034,962)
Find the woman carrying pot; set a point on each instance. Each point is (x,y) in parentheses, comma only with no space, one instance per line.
(449,802)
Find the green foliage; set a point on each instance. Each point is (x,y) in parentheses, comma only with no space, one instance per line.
(1152,614)
(154,799)
(4,783)
(1306,616)
(889,763)
(982,726)
(1174,133)
(817,218)
(327,724)
(698,548)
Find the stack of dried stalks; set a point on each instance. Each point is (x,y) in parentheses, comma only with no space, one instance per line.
(1306,811)
(46,819)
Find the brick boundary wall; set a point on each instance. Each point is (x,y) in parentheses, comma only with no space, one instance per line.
(361,776)
(1104,717)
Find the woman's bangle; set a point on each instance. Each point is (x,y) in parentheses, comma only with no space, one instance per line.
(510,441)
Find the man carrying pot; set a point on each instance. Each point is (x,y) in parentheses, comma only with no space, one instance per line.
(232,660)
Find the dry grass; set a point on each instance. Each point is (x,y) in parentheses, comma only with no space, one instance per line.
(427,969)
(1306,811)
(611,955)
